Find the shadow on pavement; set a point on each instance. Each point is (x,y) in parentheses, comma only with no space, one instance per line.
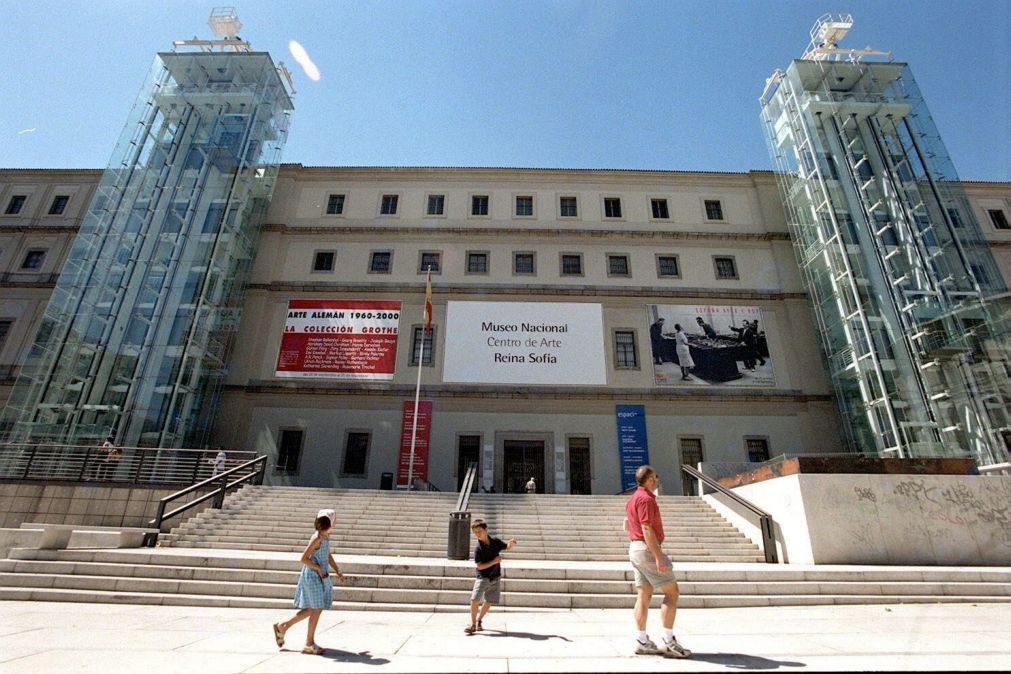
(361,658)
(523,635)
(742,661)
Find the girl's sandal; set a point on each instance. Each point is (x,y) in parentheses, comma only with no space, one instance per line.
(480,627)
(313,650)
(278,635)
(470,629)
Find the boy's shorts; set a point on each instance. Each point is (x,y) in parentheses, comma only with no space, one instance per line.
(644,565)
(486,589)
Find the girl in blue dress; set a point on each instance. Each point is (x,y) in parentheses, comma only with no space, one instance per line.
(315,588)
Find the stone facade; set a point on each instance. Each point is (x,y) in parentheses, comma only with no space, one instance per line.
(724,234)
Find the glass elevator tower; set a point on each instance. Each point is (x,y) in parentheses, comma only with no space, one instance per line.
(910,304)
(135,339)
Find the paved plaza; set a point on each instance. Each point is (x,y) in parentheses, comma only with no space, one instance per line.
(69,637)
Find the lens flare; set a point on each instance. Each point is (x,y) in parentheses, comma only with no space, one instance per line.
(302,56)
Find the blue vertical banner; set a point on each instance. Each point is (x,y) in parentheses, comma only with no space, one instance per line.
(631,441)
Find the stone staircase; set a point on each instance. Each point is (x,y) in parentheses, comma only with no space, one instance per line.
(547,526)
(202,577)
(392,545)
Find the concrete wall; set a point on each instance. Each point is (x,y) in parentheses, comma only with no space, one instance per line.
(954,520)
(114,506)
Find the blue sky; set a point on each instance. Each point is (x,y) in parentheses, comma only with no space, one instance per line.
(636,85)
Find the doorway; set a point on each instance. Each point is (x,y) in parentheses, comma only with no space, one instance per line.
(468,452)
(522,459)
(579,466)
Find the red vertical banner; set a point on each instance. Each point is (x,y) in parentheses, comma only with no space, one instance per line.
(424,431)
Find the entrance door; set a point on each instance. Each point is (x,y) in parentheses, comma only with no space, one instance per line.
(691,454)
(523,459)
(469,447)
(579,465)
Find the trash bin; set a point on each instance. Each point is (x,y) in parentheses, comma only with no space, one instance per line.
(386,481)
(458,546)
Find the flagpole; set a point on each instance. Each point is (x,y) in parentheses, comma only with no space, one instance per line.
(417,386)
(414,423)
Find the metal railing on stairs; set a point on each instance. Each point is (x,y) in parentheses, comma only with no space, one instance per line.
(458,545)
(423,485)
(765,523)
(253,474)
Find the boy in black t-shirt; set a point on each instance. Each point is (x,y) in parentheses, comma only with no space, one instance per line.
(487,586)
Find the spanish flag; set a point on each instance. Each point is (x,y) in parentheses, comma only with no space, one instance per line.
(428,302)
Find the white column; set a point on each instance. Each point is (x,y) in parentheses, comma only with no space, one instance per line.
(561,474)
(488,466)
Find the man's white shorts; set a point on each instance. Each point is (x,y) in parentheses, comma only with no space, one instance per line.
(644,565)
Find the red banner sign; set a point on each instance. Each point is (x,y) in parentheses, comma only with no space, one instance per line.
(420,444)
(339,339)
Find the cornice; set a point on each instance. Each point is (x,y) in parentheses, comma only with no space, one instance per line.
(407,174)
(40,229)
(314,230)
(511,392)
(371,287)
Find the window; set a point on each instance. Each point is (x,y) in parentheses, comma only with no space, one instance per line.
(380,262)
(289,451)
(625,356)
(59,204)
(389,204)
(477,263)
(726,268)
(691,455)
(5,328)
(667,266)
(356,454)
(523,263)
(617,265)
(572,264)
(33,259)
(979,272)
(997,217)
(758,449)
(212,220)
(524,206)
(567,207)
(436,204)
(714,209)
(335,204)
(956,218)
(612,207)
(479,204)
(429,260)
(15,205)
(323,260)
(660,210)
(416,345)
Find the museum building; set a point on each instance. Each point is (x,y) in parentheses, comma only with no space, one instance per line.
(602,255)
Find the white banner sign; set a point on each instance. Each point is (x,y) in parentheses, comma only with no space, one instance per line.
(524,343)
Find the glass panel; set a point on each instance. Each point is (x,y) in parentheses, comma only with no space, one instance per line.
(523,263)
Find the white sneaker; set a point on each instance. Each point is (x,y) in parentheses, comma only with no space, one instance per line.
(672,649)
(647,648)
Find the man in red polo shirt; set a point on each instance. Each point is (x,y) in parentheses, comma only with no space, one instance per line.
(652,567)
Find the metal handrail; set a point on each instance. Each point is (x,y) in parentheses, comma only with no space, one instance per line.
(421,484)
(52,462)
(259,465)
(765,522)
(468,484)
